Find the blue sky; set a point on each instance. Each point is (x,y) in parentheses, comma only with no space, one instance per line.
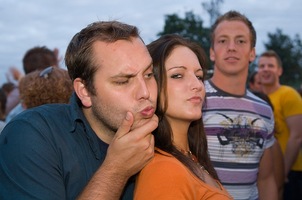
(52,23)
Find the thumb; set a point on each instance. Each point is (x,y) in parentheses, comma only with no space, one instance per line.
(125,126)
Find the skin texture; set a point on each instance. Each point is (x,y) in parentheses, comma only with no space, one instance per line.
(131,81)
(269,73)
(232,52)
(278,165)
(185,92)
(121,113)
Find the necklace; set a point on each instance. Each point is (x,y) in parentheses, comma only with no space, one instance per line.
(194,159)
(205,175)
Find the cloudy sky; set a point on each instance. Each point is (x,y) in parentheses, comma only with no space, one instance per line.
(25,24)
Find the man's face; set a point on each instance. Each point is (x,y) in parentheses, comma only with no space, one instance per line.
(269,71)
(232,49)
(123,82)
(256,86)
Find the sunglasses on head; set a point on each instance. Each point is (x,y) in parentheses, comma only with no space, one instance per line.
(45,72)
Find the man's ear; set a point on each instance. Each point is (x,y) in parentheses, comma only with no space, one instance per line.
(212,54)
(252,55)
(82,92)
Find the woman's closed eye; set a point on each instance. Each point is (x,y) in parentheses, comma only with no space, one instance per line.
(122,82)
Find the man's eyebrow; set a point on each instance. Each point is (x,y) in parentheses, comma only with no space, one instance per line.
(241,36)
(226,36)
(222,36)
(149,66)
(123,75)
(130,75)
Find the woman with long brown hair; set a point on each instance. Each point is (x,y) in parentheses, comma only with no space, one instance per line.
(181,168)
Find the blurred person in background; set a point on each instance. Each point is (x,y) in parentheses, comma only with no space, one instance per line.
(11,88)
(287,103)
(8,87)
(36,58)
(51,85)
(254,82)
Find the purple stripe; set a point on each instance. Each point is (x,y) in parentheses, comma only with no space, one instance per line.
(244,177)
(241,104)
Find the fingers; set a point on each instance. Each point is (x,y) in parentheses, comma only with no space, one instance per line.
(138,132)
(125,126)
(146,129)
(151,142)
(132,145)
(149,151)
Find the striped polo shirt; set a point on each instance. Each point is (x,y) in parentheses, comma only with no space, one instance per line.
(239,129)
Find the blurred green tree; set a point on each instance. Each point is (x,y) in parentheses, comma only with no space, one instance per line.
(192,26)
(290,52)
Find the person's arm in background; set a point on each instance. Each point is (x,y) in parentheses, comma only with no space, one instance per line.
(278,165)
(294,124)
(14,75)
(267,186)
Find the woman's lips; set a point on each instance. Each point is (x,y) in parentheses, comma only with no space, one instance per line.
(195,99)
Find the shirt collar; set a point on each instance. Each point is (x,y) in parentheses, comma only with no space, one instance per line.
(79,119)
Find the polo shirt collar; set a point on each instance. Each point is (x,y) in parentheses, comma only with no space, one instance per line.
(79,119)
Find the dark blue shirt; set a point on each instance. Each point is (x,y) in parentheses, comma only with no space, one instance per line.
(50,152)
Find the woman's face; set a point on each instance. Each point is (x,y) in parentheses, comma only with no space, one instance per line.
(185,88)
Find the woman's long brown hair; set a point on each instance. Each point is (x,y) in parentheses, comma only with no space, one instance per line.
(160,49)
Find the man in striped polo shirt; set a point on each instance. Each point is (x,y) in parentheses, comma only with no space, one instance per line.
(239,125)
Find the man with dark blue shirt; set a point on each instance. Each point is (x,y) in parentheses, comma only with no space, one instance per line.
(91,147)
